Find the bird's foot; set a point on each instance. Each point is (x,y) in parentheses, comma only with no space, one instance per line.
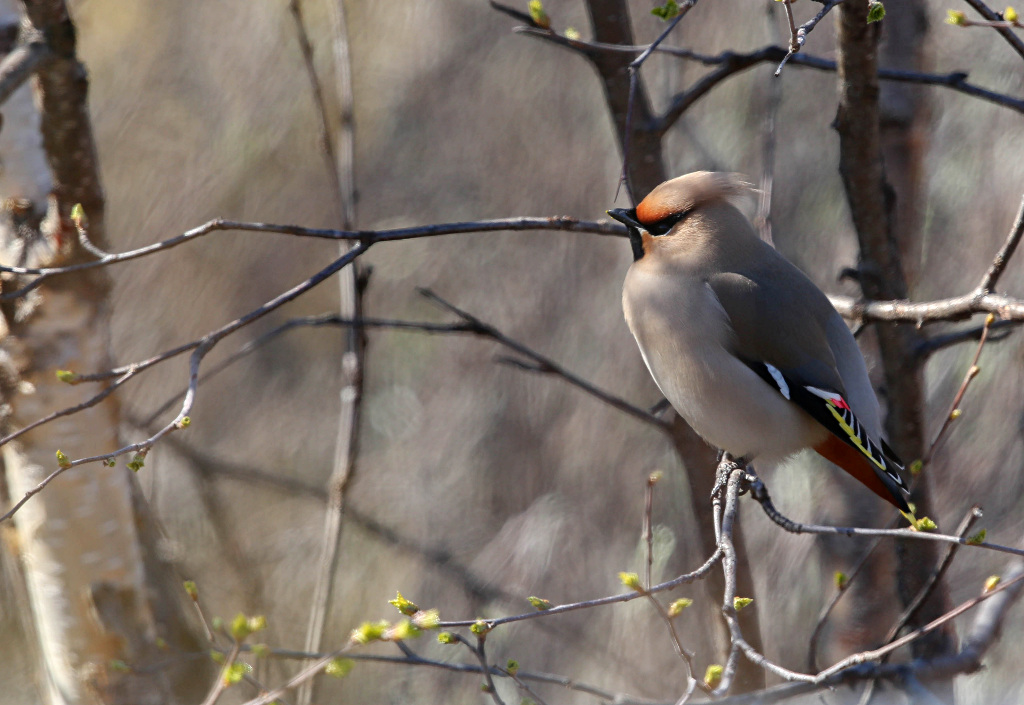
(726,464)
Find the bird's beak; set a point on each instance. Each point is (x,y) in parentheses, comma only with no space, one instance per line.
(626,217)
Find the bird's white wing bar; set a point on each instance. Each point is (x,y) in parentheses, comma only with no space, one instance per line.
(833,412)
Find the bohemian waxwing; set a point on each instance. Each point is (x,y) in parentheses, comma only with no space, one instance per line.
(745,347)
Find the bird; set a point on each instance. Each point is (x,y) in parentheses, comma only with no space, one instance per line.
(745,347)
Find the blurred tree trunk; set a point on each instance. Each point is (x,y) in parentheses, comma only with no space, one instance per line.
(645,169)
(872,206)
(98,596)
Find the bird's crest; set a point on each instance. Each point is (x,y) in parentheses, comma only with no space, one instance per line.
(685,193)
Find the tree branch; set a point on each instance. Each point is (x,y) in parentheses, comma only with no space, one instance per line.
(19,65)
(955,80)
(1005,32)
(760,494)
(366,237)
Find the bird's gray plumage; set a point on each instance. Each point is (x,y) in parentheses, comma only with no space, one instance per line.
(726,324)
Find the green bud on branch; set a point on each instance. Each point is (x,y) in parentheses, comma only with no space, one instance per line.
(405,606)
(677,607)
(539,603)
(339,667)
(631,580)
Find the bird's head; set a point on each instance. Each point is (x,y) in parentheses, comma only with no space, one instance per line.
(671,202)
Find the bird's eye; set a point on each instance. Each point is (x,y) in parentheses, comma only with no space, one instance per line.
(667,223)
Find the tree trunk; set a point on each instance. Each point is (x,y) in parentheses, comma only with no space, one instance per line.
(98,595)
(872,205)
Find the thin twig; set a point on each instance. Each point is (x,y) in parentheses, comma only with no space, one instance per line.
(516,14)
(199,349)
(648,531)
(799,36)
(738,62)
(648,536)
(738,644)
(878,653)
(841,590)
(340,172)
(323,319)
(522,685)
(684,579)
(1002,258)
(222,678)
(1008,34)
(794,43)
(972,516)
(485,668)
(764,204)
(652,47)
(90,402)
(546,364)
(413,659)
(953,413)
(634,78)
(955,80)
(929,346)
(914,605)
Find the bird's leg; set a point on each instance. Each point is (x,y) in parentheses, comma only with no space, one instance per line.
(726,465)
(748,479)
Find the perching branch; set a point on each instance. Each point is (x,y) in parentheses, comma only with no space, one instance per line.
(760,493)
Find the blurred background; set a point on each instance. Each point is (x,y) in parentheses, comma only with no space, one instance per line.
(479,484)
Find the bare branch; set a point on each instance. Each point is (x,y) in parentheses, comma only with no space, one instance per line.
(545,364)
(799,35)
(485,668)
(413,659)
(952,309)
(956,80)
(515,14)
(90,402)
(840,591)
(866,656)
(684,579)
(954,408)
(366,237)
(199,350)
(1002,258)
(932,345)
(1008,34)
(972,516)
(18,66)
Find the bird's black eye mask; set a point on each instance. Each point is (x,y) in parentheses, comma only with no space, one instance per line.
(634,226)
(667,223)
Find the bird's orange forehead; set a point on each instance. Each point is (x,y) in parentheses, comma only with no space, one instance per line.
(656,207)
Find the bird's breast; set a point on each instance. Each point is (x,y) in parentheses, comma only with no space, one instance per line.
(686,340)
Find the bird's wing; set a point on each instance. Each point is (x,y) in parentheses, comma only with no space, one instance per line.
(831,410)
(791,353)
